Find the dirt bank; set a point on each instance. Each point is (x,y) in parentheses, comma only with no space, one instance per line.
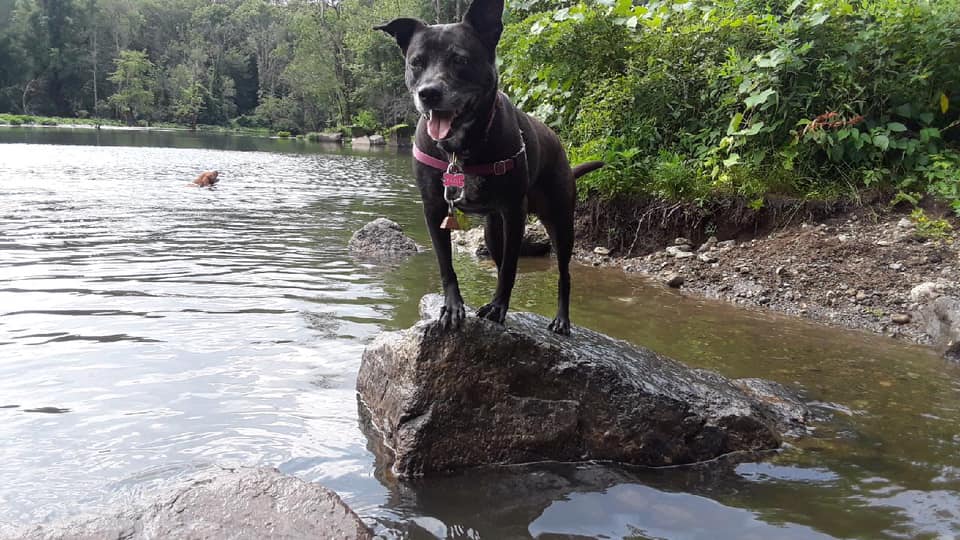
(863,270)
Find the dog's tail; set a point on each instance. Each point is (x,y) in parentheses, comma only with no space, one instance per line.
(587,167)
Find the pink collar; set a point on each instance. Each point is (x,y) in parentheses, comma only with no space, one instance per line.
(498,168)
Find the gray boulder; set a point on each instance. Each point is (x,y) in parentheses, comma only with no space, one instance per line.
(225,504)
(485,394)
(382,238)
(941,317)
(535,243)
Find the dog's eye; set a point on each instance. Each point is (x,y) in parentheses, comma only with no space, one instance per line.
(460,59)
(417,62)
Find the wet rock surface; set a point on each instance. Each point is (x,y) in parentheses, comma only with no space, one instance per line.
(861,270)
(488,394)
(245,503)
(382,239)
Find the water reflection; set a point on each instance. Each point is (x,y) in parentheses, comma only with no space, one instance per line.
(163,329)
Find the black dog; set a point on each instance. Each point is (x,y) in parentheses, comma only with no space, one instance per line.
(476,151)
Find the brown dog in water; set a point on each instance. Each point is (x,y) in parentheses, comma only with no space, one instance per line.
(206,179)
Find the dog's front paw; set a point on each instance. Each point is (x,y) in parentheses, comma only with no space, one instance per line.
(452,316)
(493,311)
(560,326)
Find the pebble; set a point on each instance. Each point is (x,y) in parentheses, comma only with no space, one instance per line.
(707,258)
(901,318)
(896,266)
(601,250)
(681,241)
(904,223)
(679,252)
(674,280)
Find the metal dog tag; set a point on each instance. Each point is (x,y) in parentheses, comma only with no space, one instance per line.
(457,180)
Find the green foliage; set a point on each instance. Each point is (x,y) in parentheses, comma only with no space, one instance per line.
(135,80)
(690,100)
(929,228)
(367,120)
(284,66)
(284,134)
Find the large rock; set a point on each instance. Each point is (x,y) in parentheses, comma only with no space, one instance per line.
(487,395)
(535,243)
(224,503)
(942,319)
(382,238)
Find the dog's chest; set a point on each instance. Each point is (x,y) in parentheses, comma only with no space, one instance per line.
(479,194)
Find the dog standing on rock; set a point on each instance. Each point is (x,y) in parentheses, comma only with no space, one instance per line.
(476,152)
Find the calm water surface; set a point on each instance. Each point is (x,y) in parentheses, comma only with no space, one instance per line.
(148,329)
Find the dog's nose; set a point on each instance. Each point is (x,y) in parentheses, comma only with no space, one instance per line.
(430,95)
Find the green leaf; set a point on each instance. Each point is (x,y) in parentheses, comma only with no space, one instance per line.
(752,130)
(735,123)
(896,127)
(929,133)
(759,98)
(819,18)
(881,141)
(732,160)
(905,110)
(926,118)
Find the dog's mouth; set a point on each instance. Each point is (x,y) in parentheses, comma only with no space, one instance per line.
(439,123)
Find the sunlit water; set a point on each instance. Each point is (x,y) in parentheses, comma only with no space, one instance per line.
(148,329)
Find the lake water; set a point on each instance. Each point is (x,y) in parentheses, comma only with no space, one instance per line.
(148,329)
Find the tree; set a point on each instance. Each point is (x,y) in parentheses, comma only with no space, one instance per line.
(135,78)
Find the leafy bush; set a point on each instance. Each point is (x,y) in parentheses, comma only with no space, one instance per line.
(702,99)
(932,229)
(284,134)
(367,120)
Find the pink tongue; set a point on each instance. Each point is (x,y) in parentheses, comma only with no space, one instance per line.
(438,126)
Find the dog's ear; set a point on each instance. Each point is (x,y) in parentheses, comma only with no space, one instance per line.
(486,17)
(402,30)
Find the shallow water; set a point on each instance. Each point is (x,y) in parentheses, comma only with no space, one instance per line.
(148,329)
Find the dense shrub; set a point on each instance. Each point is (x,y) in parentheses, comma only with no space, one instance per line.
(703,99)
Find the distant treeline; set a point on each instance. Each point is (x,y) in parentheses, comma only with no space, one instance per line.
(286,65)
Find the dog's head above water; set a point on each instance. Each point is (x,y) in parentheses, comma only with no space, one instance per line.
(451,70)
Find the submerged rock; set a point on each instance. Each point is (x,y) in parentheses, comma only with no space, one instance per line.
(485,394)
(224,503)
(382,238)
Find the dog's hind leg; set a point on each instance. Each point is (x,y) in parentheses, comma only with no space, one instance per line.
(558,220)
(493,236)
(561,234)
(513,221)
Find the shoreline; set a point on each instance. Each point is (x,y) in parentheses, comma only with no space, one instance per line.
(863,270)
